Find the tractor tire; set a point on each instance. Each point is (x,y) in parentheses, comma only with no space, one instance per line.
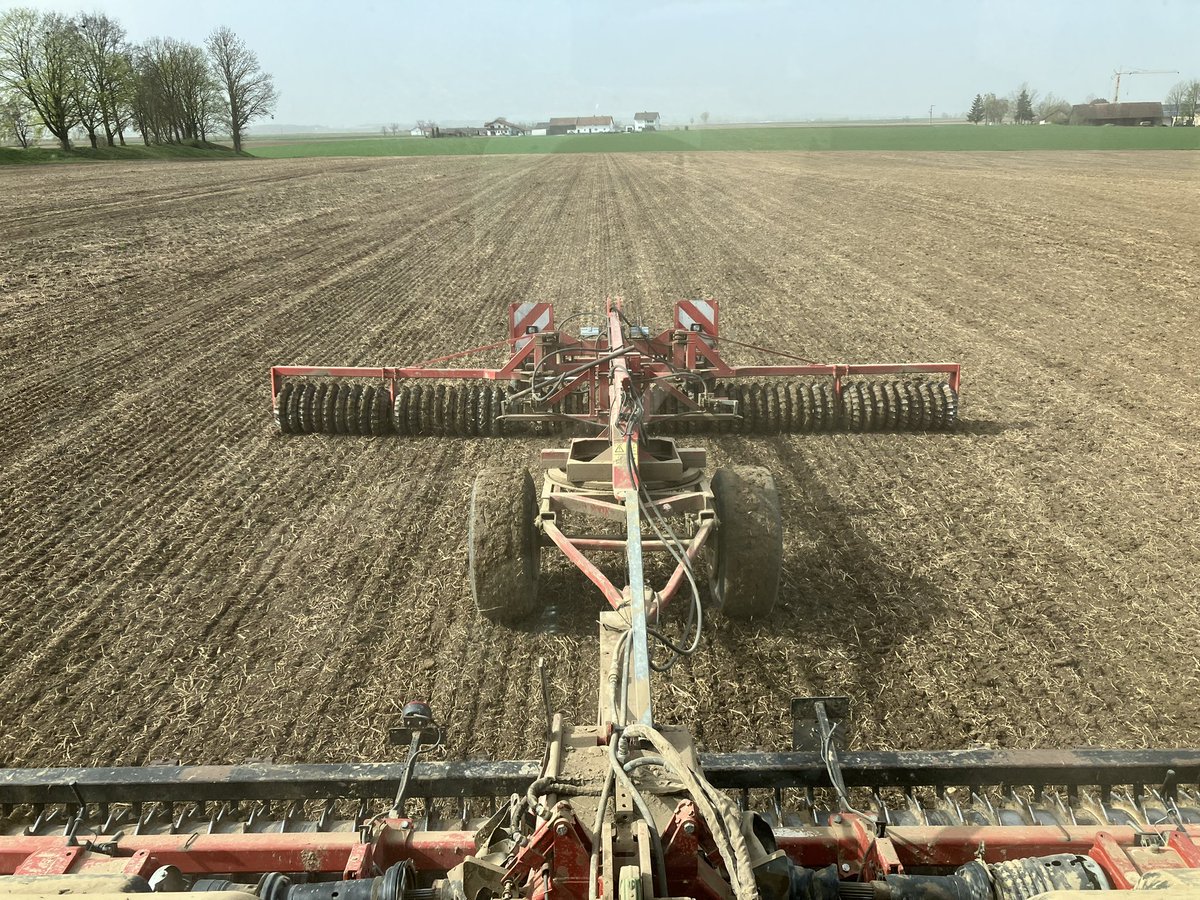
(749,536)
(502,544)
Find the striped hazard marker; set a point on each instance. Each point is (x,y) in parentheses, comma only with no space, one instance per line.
(527,319)
(697,315)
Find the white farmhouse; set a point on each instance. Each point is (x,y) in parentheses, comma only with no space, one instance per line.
(580,125)
(646,121)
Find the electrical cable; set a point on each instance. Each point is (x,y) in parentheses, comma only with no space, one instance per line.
(660,861)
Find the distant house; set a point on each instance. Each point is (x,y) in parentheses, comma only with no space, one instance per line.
(502,126)
(646,121)
(1146,113)
(418,131)
(541,128)
(460,132)
(580,125)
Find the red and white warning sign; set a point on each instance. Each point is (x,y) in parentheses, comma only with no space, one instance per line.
(697,315)
(526,319)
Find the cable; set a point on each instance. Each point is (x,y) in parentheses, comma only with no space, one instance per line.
(717,810)
(597,841)
(660,861)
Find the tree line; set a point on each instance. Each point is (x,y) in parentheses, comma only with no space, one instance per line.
(1025,106)
(60,73)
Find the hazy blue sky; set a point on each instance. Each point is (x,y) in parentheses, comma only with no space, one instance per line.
(354,62)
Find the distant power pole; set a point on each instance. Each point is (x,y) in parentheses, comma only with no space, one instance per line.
(930,113)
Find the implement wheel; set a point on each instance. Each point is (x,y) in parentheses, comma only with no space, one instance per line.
(745,577)
(503,546)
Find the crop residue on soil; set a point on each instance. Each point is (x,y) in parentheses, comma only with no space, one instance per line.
(179,581)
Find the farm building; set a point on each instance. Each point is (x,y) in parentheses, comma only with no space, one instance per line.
(646,121)
(460,132)
(503,127)
(580,125)
(1147,113)
(541,128)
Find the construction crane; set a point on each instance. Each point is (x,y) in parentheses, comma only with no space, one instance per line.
(1117,73)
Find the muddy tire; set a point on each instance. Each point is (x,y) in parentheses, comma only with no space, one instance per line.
(745,577)
(502,544)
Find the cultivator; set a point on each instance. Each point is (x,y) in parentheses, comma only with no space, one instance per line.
(554,377)
(624,807)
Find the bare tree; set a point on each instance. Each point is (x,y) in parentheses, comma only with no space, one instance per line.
(15,120)
(249,92)
(704,117)
(1053,108)
(174,93)
(994,109)
(102,47)
(1185,97)
(395,127)
(37,59)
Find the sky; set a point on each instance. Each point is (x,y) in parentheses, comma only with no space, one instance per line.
(351,63)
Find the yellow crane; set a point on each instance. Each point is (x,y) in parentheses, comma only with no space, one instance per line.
(1119,72)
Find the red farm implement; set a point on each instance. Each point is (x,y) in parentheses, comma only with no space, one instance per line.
(622,807)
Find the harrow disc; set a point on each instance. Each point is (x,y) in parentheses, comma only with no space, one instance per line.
(474,408)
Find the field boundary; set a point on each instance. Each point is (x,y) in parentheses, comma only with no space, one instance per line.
(873,138)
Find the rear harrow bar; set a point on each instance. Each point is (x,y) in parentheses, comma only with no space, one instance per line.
(553,379)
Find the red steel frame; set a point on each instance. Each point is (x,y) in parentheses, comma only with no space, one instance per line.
(694,349)
(848,841)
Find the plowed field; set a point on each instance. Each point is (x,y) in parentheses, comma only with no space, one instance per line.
(177,580)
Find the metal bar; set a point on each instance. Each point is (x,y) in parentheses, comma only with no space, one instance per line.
(304,781)
(262,781)
(196,854)
(676,579)
(281,781)
(589,505)
(386,372)
(955,768)
(589,542)
(952,846)
(585,565)
(842,370)
(625,444)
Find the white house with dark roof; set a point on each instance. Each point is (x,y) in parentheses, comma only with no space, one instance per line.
(647,121)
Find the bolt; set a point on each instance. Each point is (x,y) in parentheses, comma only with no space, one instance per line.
(689,827)
(845,867)
(562,829)
(405,824)
(837,820)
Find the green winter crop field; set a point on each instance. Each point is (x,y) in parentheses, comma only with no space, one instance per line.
(811,138)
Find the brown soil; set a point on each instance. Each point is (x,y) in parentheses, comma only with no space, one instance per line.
(177,580)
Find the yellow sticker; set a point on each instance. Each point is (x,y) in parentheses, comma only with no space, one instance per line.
(620,454)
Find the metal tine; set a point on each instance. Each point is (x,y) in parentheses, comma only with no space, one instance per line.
(326,815)
(1160,808)
(257,811)
(744,800)
(39,813)
(1188,804)
(945,809)
(914,808)
(1127,810)
(115,816)
(146,817)
(989,810)
(292,811)
(777,802)
(883,814)
(462,812)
